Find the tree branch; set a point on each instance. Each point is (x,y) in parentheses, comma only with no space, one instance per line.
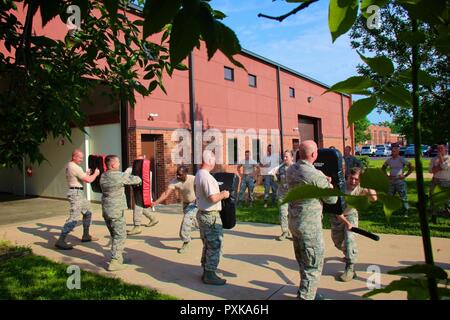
(304,5)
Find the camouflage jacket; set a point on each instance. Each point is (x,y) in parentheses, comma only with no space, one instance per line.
(113,191)
(303,173)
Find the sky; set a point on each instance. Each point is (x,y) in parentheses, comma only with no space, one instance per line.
(301,42)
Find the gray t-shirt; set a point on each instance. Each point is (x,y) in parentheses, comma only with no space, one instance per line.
(206,186)
(248,165)
(396,166)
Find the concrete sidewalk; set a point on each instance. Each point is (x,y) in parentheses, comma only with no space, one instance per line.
(255,265)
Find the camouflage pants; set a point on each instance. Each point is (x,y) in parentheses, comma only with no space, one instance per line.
(247,182)
(284,210)
(78,205)
(269,183)
(117,230)
(189,220)
(306,230)
(343,239)
(400,188)
(139,211)
(211,232)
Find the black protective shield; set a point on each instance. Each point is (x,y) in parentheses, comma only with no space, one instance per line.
(330,162)
(229,182)
(142,192)
(96,161)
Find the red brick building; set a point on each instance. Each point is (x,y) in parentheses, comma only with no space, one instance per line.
(268,96)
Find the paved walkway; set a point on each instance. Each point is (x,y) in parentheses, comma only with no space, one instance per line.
(254,264)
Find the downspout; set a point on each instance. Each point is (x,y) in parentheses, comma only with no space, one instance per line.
(343,122)
(124,143)
(192,109)
(280,109)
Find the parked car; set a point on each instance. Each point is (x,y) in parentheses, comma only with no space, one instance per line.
(369,150)
(425,149)
(409,152)
(383,151)
(402,150)
(432,151)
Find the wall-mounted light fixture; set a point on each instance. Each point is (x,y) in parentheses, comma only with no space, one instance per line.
(152,116)
(310,99)
(295,129)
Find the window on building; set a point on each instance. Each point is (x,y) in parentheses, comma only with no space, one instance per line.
(252,80)
(291,92)
(232,151)
(255,150)
(228,73)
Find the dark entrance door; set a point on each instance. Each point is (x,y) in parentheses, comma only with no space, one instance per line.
(308,128)
(149,142)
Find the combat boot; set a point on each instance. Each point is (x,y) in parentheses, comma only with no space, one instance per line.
(62,244)
(87,237)
(283,236)
(152,223)
(135,230)
(210,277)
(184,247)
(349,273)
(115,265)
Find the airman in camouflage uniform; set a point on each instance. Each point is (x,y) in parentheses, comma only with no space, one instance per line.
(397,183)
(342,237)
(305,220)
(281,174)
(209,205)
(114,203)
(78,202)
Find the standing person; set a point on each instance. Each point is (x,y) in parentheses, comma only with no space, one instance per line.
(78,202)
(209,199)
(397,176)
(138,211)
(281,175)
(350,161)
(440,168)
(305,220)
(114,202)
(248,177)
(342,237)
(269,162)
(183,182)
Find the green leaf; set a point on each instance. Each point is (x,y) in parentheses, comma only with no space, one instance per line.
(152,86)
(185,35)
(341,16)
(390,204)
(49,9)
(158,13)
(352,85)
(112,6)
(416,289)
(360,203)
(228,42)
(411,38)
(375,178)
(43,41)
(431,11)
(308,192)
(361,108)
(396,95)
(431,271)
(208,29)
(381,65)
(440,196)
(219,15)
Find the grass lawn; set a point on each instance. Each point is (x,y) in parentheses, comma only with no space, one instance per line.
(24,275)
(372,219)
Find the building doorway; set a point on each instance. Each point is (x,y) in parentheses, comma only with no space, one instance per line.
(149,149)
(309,129)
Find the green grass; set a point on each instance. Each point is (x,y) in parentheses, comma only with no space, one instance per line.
(38,278)
(373,219)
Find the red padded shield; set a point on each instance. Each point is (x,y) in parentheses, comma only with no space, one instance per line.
(143,192)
